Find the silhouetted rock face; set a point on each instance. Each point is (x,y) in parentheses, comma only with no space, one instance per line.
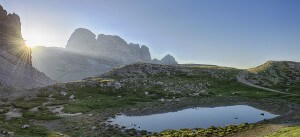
(107,46)
(11,39)
(15,58)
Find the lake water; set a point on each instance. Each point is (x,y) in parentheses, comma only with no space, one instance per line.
(198,117)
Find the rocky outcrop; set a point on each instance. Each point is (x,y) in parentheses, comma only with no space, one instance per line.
(16,71)
(86,56)
(11,39)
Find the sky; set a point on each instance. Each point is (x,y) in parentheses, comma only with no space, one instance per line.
(235,33)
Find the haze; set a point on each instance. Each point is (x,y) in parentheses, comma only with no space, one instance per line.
(234,33)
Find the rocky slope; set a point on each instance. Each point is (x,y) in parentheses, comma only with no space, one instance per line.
(86,56)
(62,65)
(16,70)
(282,75)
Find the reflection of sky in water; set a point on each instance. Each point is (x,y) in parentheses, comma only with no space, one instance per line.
(194,118)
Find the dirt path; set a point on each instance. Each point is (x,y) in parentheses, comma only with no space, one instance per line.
(242,79)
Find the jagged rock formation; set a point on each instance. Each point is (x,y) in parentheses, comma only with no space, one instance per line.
(107,46)
(86,56)
(280,75)
(16,70)
(11,39)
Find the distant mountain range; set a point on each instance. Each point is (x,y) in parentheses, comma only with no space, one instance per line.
(85,56)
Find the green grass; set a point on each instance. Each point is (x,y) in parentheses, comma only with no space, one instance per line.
(27,104)
(15,125)
(42,114)
(287,132)
(99,99)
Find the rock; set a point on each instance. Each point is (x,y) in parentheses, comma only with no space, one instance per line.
(72,97)
(159,83)
(63,93)
(162,100)
(117,85)
(25,126)
(146,93)
(11,133)
(50,96)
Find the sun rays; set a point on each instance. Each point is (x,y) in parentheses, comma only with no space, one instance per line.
(18,48)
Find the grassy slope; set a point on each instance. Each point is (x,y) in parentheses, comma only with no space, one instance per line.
(287,132)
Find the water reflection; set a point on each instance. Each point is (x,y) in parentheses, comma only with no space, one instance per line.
(198,117)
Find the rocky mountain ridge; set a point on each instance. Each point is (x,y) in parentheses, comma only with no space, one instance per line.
(86,56)
(107,46)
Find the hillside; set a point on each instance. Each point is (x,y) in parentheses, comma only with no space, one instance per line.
(280,75)
(82,108)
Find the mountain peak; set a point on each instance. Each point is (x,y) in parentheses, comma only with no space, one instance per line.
(169,59)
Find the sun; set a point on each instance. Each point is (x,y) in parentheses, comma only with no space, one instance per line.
(29,44)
